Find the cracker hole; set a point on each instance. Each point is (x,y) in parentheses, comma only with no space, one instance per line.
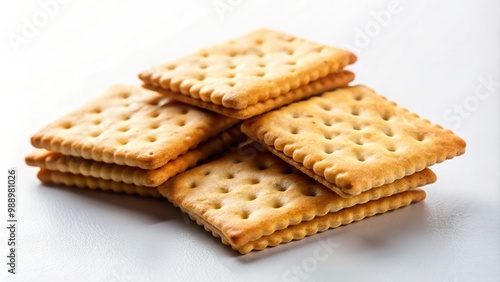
(233,53)
(281,187)
(328,150)
(193,184)
(245,215)
(326,107)
(295,115)
(294,131)
(388,132)
(181,123)
(230,75)
(122,142)
(360,158)
(232,66)
(203,66)
(154,114)
(276,204)
(291,63)
(151,153)
(355,111)
(254,181)
(123,129)
(230,175)
(97,111)
(261,55)
(358,97)
(328,135)
(262,166)
(216,206)
(259,41)
(237,161)
(67,125)
(251,197)
(125,95)
(391,148)
(359,142)
(356,126)
(201,77)
(154,126)
(204,54)
(386,116)
(288,170)
(223,190)
(231,84)
(289,52)
(262,65)
(419,137)
(171,67)
(96,121)
(184,111)
(310,192)
(328,122)
(95,134)
(151,139)
(260,74)
(207,172)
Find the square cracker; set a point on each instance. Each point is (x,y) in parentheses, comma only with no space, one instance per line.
(322,223)
(86,182)
(133,175)
(250,69)
(352,139)
(131,126)
(247,195)
(329,82)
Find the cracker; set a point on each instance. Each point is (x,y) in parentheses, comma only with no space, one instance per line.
(329,82)
(323,223)
(353,139)
(131,126)
(80,181)
(252,68)
(249,194)
(133,175)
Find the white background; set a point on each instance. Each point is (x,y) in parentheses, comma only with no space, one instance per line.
(430,56)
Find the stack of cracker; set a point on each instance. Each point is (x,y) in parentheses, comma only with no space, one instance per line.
(129,140)
(320,154)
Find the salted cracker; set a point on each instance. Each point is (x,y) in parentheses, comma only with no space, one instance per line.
(352,139)
(323,223)
(85,182)
(252,68)
(248,195)
(133,175)
(329,82)
(131,126)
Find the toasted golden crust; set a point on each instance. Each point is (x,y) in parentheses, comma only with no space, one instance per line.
(131,126)
(250,194)
(322,223)
(353,138)
(133,175)
(329,82)
(252,68)
(86,182)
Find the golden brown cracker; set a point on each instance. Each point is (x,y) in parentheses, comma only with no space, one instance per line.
(329,82)
(249,69)
(131,126)
(353,138)
(80,181)
(247,196)
(133,175)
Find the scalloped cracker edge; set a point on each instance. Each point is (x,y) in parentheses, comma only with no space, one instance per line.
(330,82)
(84,182)
(249,194)
(133,175)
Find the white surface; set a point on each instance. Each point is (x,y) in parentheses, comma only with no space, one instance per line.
(429,57)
